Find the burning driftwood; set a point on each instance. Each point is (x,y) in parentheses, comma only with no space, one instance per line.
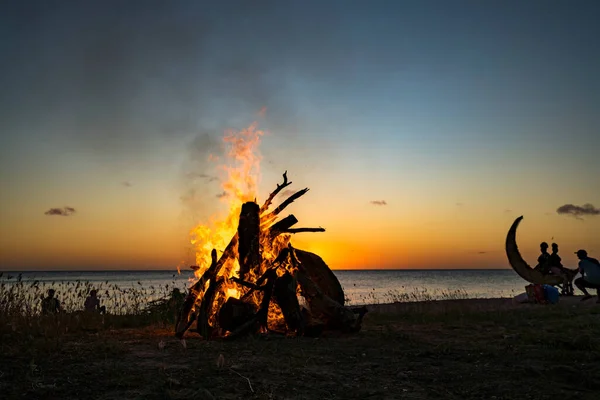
(271,277)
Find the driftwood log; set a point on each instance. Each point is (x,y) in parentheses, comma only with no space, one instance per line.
(333,313)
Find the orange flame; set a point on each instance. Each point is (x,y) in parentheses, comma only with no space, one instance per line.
(241,173)
(242,176)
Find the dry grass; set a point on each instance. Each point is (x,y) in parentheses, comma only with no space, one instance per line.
(409,295)
(24,297)
(20,308)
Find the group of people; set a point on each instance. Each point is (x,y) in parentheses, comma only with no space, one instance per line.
(51,305)
(551,263)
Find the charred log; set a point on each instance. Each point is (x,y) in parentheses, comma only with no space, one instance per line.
(187,316)
(203,326)
(287,202)
(275,192)
(196,292)
(259,320)
(299,230)
(284,291)
(249,238)
(282,225)
(243,283)
(235,313)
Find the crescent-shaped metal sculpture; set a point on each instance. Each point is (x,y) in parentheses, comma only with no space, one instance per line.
(520,266)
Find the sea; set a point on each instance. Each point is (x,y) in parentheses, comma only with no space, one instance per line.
(360,286)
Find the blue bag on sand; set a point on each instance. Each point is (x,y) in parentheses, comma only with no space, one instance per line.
(552,294)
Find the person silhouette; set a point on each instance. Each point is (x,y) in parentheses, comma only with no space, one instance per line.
(92,303)
(543,266)
(51,305)
(590,275)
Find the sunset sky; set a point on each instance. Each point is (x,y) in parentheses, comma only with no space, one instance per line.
(422,128)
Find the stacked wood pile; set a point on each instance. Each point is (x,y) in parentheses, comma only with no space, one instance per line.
(269,287)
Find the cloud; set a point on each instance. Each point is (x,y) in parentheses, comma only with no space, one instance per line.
(63,212)
(208,178)
(221,195)
(127,184)
(508,210)
(379,202)
(481,252)
(459,204)
(205,177)
(578,211)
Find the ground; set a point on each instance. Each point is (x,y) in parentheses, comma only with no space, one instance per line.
(467,349)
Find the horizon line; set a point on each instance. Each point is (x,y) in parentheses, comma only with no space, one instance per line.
(175,270)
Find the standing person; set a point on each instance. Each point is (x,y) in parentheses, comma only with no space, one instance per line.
(92,303)
(543,265)
(51,305)
(590,275)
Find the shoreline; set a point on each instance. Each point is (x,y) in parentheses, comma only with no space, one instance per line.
(473,304)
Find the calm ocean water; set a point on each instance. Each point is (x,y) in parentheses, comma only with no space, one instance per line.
(361,287)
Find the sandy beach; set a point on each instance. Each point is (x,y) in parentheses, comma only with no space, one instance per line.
(478,348)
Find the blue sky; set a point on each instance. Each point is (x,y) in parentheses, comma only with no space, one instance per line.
(493,105)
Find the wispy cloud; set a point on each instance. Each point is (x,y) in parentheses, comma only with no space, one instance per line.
(481,252)
(221,195)
(578,211)
(208,178)
(127,184)
(63,212)
(460,204)
(508,210)
(379,202)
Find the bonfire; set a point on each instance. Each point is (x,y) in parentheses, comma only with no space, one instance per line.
(260,283)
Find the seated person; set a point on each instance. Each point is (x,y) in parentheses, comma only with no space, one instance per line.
(92,303)
(543,260)
(175,303)
(51,305)
(554,260)
(176,300)
(590,275)
(556,268)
